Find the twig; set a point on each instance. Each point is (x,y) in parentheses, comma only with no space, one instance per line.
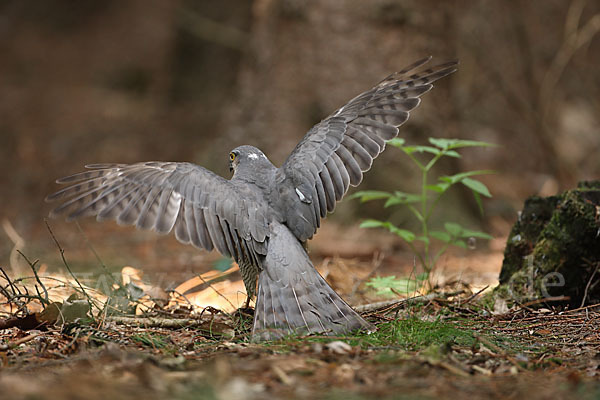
(10,283)
(10,298)
(3,289)
(447,366)
(462,303)
(587,287)
(171,323)
(93,250)
(62,255)
(377,263)
(543,300)
(153,322)
(19,342)
(586,308)
(177,293)
(44,300)
(498,351)
(392,304)
(217,292)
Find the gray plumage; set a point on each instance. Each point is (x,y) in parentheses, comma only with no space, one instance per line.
(263,214)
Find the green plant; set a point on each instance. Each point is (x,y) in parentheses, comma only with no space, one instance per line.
(151,340)
(423,203)
(390,285)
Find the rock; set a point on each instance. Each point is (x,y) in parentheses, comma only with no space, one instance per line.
(554,249)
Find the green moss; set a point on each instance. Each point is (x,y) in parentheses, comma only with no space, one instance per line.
(151,340)
(416,334)
(554,246)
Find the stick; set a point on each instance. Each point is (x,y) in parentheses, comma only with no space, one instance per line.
(19,342)
(377,263)
(152,322)
(587,287)
(388,303)
(44,300)
(217,292)
(393,304)
(462,303)
(62,255)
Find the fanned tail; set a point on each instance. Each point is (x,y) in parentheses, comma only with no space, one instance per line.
(293,298)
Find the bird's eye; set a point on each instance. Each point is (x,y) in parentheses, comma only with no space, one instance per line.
(231,156)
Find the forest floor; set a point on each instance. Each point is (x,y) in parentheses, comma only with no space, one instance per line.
(447,344)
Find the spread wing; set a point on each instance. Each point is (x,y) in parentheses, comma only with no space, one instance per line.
(202,208)
(334,154)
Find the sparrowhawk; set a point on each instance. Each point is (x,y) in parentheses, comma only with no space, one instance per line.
(263,215)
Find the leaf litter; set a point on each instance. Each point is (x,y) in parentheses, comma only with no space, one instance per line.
(63,338)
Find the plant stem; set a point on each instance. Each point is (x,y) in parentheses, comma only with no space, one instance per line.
(439,253)
(419,255)
(433,205)
(424,227)
(426,212)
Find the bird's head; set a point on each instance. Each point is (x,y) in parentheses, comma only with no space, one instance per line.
(246,156)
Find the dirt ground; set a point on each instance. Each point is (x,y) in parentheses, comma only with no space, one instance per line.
(449,344)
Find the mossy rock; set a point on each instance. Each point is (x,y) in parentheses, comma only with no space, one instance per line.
(554,249)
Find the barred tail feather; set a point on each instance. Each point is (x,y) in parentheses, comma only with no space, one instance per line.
(293,298)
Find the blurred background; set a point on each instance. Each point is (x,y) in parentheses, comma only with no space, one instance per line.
(85,81)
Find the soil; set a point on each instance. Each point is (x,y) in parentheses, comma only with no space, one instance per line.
(451,344)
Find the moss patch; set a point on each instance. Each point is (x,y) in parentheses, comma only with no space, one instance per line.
(554,248)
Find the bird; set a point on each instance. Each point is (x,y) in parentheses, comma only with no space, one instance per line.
(263,215)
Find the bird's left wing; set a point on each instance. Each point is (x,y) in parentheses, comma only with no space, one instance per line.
(334,154)
(202,208)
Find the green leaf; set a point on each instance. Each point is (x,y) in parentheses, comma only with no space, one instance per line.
(470,143)
(423,239)
(411,196)
(461,176)
(405,234)
(477,197)
(440,142)
(371,223)
(384,284)
(439,188)
(392,201)
(421,149)
(448,144)
(440,235)
(460,243)
(396,142)
(402,198)
(406,286)
(453,229)
(476,186)
(452,153)
(368,195)
(467,233)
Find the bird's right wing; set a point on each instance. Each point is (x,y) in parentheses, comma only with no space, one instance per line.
(202,208)
(334,154)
